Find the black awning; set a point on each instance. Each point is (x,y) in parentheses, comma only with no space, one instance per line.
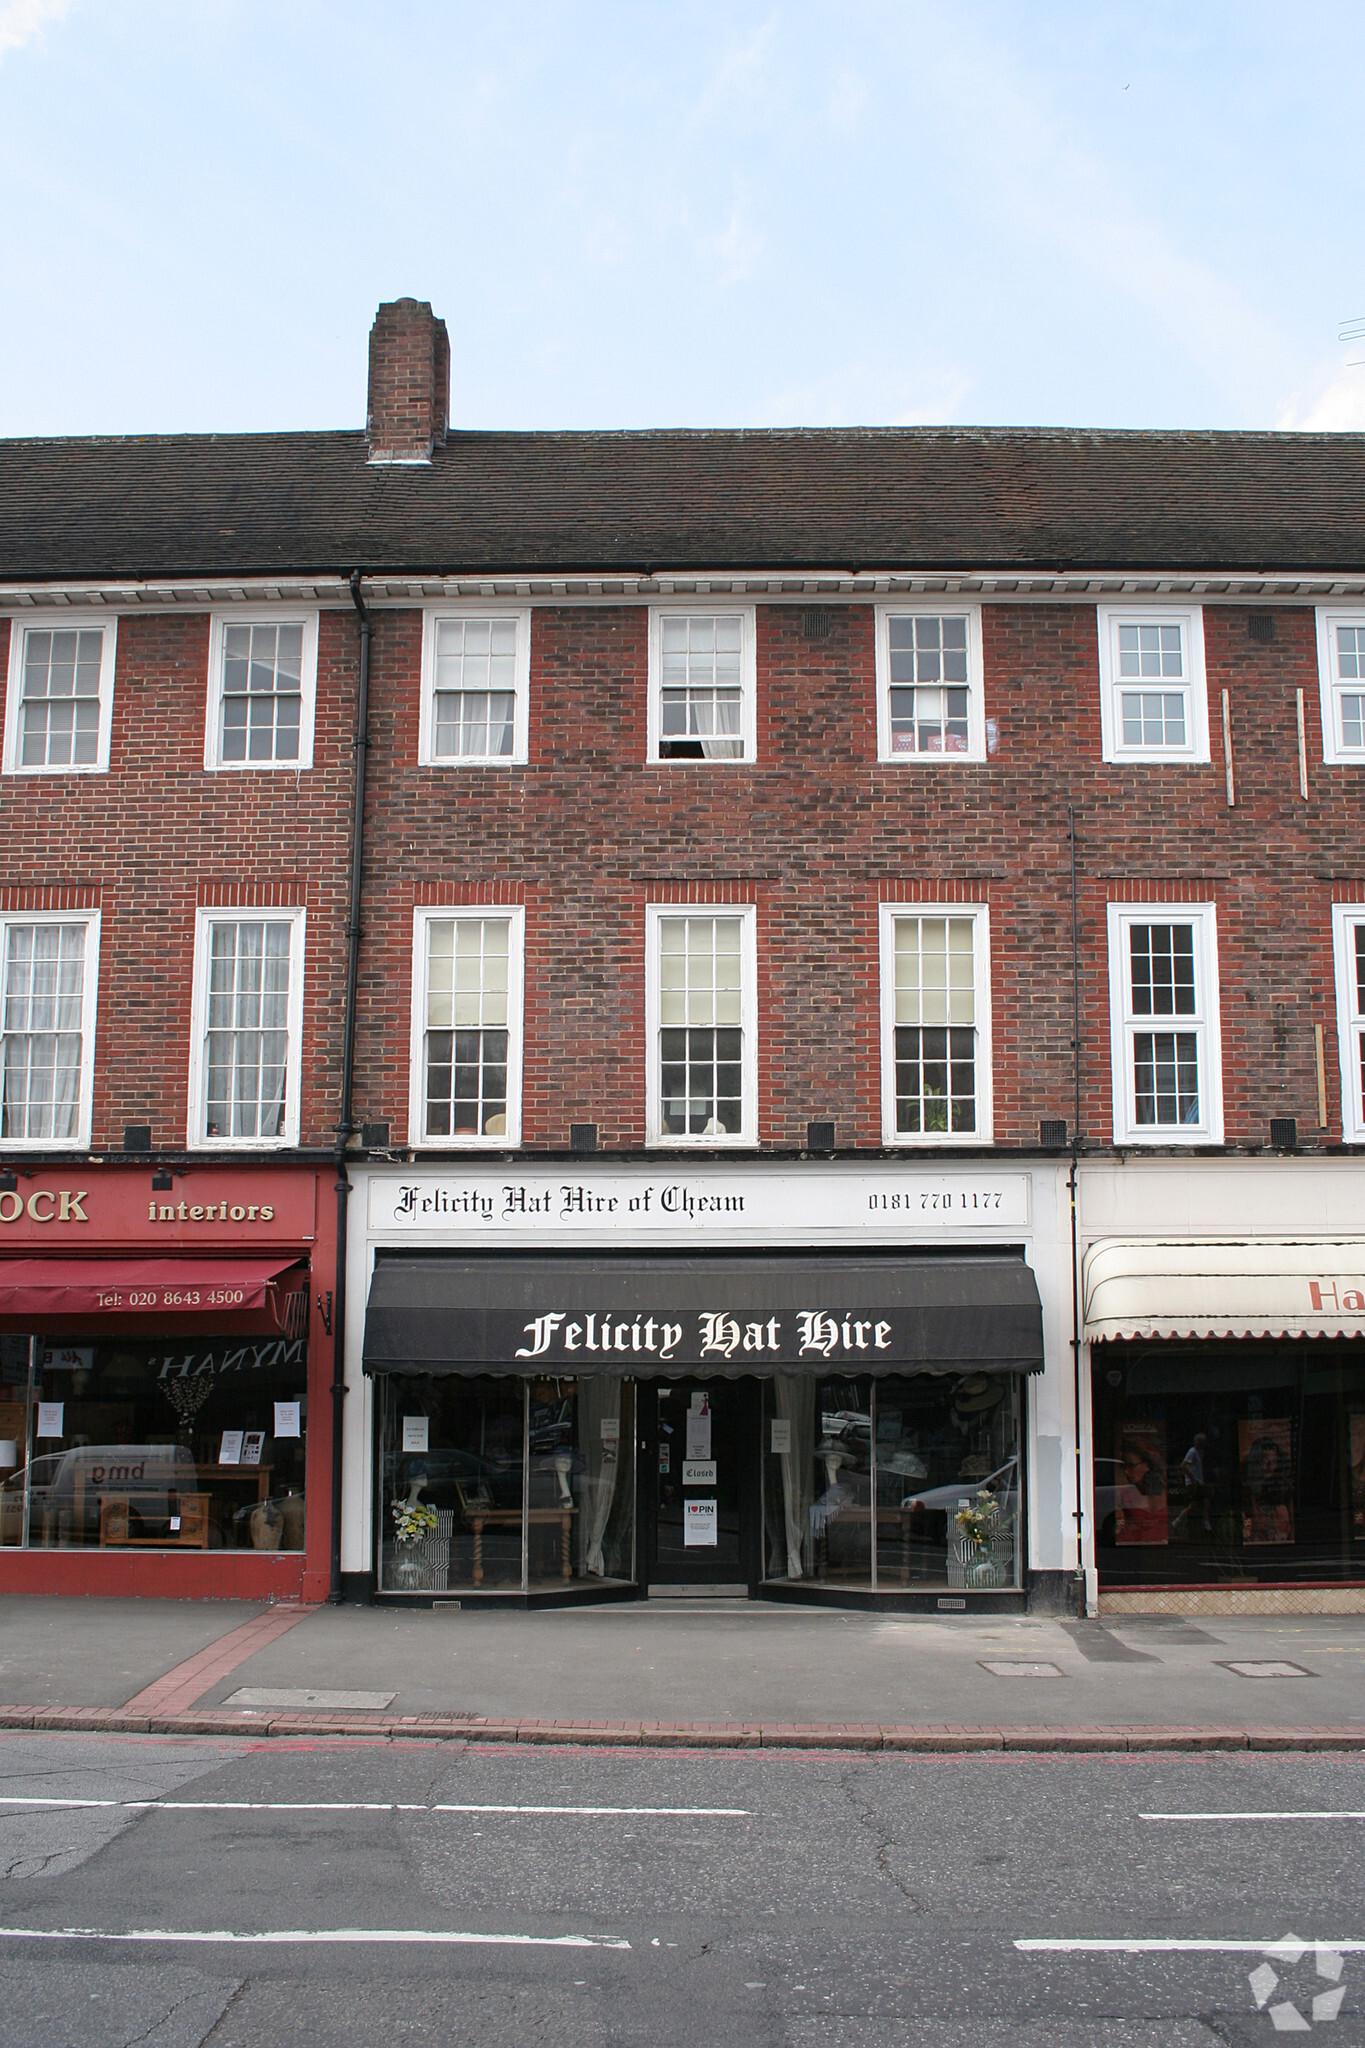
(719,1316)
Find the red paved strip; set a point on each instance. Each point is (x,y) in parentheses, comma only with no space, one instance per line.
(924,1740)
(185,1683)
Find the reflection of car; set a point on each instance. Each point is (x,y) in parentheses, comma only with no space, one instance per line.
(441,1468)
(66,1488)
(944,1500)
(1108,1480)
(552,1427)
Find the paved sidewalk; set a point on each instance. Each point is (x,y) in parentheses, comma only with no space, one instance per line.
(700,1672)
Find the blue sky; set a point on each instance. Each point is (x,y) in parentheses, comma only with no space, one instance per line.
(657,213)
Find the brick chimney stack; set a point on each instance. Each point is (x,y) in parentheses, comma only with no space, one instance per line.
(409,400)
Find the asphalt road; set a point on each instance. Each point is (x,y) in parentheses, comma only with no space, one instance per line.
(505,1897)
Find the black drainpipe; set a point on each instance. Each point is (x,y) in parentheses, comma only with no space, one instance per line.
(344,1125)
(1075,1250)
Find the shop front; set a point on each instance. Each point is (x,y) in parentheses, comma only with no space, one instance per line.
(1228,1420)
(159,1364)
(808,1413)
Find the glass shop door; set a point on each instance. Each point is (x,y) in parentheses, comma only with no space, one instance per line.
(701,1471)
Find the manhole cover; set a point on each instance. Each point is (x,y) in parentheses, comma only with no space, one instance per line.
(303,1696)
(1265,1667)
(1008,1668)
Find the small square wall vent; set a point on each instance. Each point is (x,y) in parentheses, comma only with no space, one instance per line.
(1284,1133)
(137,1137)
(582,1137)
(820,1137)
(1261,626)
(1052,1133)
(817,625)
(375,1137)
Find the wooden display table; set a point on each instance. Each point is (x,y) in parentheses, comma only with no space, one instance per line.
(260,1473)
(510,1518)
(851,1512)
(116,1516)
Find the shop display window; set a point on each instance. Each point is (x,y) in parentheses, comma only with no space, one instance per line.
(141,1443)
(889,1484)
(1229,1463)
(498,1485)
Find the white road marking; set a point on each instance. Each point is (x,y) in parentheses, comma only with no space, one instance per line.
(425,1935)
(1344,1813)
(1169,1946)
(375,1806)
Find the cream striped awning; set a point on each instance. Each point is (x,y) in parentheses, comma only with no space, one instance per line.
(1236,1287)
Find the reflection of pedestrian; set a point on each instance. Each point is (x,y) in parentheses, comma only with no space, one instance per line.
(1193,1513)
(1141,1508)
(1267,1516)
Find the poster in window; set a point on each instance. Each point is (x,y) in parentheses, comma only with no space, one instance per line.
(1141,1513)
(1358,1477)
(699,1426)
(1267,1451)
(253,1443)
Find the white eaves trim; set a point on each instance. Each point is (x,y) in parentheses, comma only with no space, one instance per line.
(607,586)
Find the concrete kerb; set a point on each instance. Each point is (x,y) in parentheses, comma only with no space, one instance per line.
(924,1739)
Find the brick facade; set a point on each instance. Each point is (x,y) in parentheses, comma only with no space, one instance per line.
(816,832)
(158,836)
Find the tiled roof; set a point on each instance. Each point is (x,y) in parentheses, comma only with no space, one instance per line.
(920,498)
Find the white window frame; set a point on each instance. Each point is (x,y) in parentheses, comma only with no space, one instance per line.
(70,621)
(747,1135)
(246,913)
(515,918)
(90,919)
(979,913)
(308,686)
(1330,684)
(1205,1023)
(1108,619)
(1347,918)
(432,617)
(704,608)
(976,688)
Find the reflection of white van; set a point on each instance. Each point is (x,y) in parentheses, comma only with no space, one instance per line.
(68,1489)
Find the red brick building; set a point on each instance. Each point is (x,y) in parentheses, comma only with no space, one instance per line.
(789,861)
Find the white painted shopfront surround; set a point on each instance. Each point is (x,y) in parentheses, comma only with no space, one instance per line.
(822,1209)
(1231,1265)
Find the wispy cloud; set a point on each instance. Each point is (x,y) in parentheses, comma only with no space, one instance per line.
(1338,408)
(21,20)
(738,72)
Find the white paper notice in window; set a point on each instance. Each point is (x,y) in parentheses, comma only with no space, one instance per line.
(415,1433)
(50,1418)
(287,1418)
(230,1449)
(699,1427)
(699,1524)
(782,1435)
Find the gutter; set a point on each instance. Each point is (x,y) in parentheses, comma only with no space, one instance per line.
(345,1128)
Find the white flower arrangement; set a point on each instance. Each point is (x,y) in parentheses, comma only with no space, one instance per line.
(411,1522)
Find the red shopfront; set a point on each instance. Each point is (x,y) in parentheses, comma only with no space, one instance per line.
(165,1356)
